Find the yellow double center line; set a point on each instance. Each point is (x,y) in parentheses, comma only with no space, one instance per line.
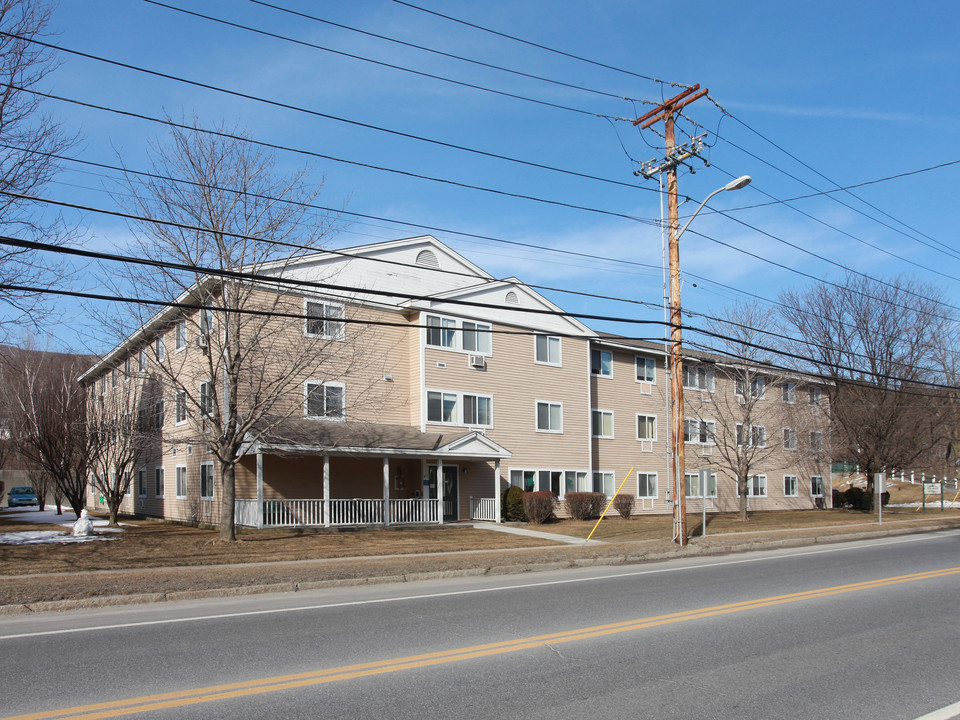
(214,693)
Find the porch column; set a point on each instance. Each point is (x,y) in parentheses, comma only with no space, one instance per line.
(386,491)
(440,489)
(259,489)
(496,489)
(326,491)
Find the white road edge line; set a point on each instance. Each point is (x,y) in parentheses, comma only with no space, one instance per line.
(946,713)
(454,593)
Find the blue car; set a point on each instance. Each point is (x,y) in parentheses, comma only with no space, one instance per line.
(23,495)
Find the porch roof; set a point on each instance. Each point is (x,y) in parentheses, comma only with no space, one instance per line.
(308,436)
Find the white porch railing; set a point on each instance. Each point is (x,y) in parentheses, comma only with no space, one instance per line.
(484,509)
(356,511)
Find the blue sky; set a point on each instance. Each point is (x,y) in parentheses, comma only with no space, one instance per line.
(853,96)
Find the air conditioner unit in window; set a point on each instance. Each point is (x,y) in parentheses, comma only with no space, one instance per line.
(477,361)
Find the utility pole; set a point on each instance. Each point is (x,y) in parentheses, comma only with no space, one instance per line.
(667,112)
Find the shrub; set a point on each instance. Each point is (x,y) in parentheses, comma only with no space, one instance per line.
(623,504)
(538,505)
(579,505)
(598,503)
(511,508)
(857,498)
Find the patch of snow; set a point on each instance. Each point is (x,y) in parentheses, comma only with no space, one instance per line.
(38,537)
(48,516)
(930,504)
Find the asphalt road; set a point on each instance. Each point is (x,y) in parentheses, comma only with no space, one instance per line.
(857,630)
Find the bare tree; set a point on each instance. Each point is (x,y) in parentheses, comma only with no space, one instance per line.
(49,424)
(124,423)
(29,144)
(878,343)
(248,345)
(746,410)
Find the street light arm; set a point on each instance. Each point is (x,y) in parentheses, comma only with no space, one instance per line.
(740,182)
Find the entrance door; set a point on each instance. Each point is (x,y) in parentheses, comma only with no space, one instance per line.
(451,486)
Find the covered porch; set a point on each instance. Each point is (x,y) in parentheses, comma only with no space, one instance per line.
(307,473)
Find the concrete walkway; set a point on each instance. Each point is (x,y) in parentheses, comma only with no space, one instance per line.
(514,530)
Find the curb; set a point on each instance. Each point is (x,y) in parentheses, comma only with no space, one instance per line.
(620,556)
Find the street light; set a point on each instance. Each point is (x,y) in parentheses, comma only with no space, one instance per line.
(676,356)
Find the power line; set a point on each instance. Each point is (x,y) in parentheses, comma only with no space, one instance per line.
(317,113)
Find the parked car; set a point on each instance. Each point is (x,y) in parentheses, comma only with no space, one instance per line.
(23,495)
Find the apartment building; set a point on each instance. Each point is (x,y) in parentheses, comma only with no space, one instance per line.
(416,387)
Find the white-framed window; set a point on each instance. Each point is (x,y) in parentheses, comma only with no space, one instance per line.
(160,348)
(206,398)
(181,407)
(816,486)
(557,481)
(646,369)
(701,432)
(816,440)
(547,350)
(601,363)
(142,482)
(180,335)
(788,392)
(647,485)
(476,337)
(441,332)
(646,427)
(602,423)
(755,437)
(114,377)
(696,377)
(691,485)
(127,368)
(324,399)
(206,480)
(128,483)
(605,482)
(758,387)
(790,486)
(181,481)
(757,486)
(815,395)
(454,408)
(158,411)
(789,439)
(158,482)
(141,360)
(206,327)
(324,320)
(549,417)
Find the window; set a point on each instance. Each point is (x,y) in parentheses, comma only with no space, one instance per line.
(324,320)
(692,489)
(158,482)
(757,486)
(788,392)
(181,481)
(646,369)
(180,341)
(127,368)
(789,439)
(602,423)
(703,432)
(325,400)
(141,360)
(646,485)
(699,378)
(815,395)
(476,337)
(548,350)
(206,326)
(790,486)
(756,437)
(601,362)
(549,417)
(206,398)
(114,377)
(816,440)
(452,408)
(441,332)
(158,414)
(477,410)
(646,427)
(816,485)
(551,480)
(524,479)
(142,482)
(757,387)
(160,349)
(181,407)
(206,480)
(604,482)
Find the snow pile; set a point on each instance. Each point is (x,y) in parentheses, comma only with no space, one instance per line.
(48,516)
(37,537)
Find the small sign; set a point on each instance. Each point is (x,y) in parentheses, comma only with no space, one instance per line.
(932,488)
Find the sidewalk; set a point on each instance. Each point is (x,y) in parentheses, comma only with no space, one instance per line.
(66,591)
